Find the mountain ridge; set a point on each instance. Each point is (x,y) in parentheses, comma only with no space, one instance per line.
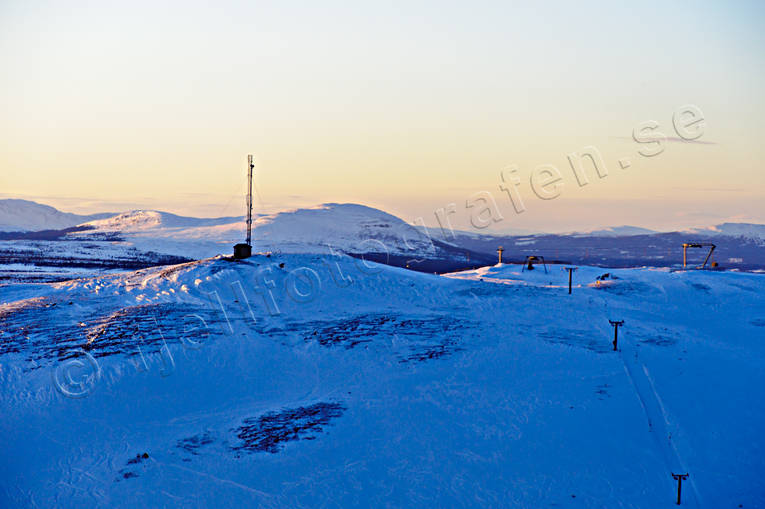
(26,215)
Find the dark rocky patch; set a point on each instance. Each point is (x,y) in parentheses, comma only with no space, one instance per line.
(424,352)
(194,443)
(138,458)
(45,330)
(412,338)
(348,332)
(270,431)
(127,473)
(353,331)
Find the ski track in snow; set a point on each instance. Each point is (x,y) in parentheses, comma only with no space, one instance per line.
(666,435)
(656,416)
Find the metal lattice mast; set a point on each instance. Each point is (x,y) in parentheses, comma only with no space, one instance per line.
(250,167)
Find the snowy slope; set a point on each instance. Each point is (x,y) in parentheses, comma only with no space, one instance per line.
(141,220)
(341,227)
(347,227)
(152,230)
(24,215)
(328,381)
(617,231)
(746,230)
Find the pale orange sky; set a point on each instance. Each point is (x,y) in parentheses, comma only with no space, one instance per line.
(407,107)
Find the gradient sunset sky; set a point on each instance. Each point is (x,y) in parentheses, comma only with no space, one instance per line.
(404,106)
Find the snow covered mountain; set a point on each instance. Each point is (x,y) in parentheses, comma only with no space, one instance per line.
(327,228)
(344,226)
(24,215)
(349,227)
(308,380)
(141,220)
(153,236)
(745,230)
(617,231)
(341,226)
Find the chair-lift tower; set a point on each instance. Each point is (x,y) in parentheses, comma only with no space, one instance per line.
(686,245)
(242,251)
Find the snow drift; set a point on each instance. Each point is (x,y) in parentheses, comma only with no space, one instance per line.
(297,380)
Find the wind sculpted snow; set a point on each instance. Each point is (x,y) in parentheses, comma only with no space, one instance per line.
(311,380)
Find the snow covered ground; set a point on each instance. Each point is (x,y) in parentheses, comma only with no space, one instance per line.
(305,380)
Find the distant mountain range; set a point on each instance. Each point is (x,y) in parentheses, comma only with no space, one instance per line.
(28,216)
(137,220)
(747,230)
(25,215)
(618,231)
(342,227)
(359,231)
(353,229)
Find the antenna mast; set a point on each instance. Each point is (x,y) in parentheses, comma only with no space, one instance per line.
(242,251)
(250,167)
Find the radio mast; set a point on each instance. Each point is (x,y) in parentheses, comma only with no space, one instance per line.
(250,167)
(242,251)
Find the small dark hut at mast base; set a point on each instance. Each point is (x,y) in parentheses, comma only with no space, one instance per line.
(242,251)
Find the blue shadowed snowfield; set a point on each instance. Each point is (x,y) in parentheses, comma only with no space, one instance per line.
(329,381)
